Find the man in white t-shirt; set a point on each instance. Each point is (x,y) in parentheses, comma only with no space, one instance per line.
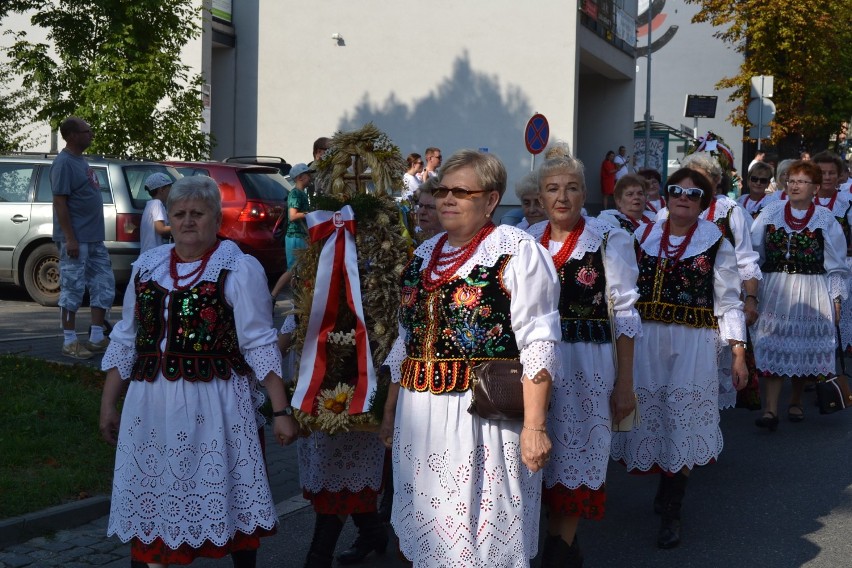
(622,163)
(154,230)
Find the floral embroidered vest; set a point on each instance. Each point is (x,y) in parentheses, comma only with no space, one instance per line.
(806,249)
(465,319)
(583,313)
(201,337)
(678,294)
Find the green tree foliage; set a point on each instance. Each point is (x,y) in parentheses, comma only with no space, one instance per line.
(807,47)
(16,111)
(117,65)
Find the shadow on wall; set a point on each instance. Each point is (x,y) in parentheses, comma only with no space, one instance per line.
(467,110)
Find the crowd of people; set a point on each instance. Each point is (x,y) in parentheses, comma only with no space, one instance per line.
(649,309)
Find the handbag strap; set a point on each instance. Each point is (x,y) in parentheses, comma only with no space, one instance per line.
(840,351)
(610,307)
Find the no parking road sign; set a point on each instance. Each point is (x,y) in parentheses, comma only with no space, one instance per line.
(537,134)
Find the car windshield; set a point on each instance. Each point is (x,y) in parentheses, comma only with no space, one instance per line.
(135,176)
(265,186)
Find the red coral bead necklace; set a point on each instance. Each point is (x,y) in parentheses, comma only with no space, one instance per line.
(561,257)
(436,276)
(798,224)
(674,252)
(195,274)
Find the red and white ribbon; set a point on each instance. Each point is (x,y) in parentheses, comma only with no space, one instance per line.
(338,265)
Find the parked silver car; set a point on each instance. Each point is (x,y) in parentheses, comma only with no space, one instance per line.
(28,256)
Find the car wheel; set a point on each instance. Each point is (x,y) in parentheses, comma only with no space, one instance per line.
(41,275)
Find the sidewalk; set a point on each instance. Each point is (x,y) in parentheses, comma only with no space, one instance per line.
(66,535)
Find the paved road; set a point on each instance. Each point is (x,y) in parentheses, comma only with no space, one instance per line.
(775,500)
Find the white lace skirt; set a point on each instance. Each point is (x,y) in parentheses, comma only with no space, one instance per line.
(795,334)
(677,384)
(349,460)
(188,465)
(579,419)
(462,497)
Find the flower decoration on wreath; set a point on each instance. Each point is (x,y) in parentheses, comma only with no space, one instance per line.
(714,145)
(346,284)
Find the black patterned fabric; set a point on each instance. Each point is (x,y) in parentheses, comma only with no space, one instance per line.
(582,300)
(679,293)
(201,341)
(466,319)
(806,251)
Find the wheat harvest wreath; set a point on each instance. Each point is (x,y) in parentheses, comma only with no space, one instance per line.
(346,284)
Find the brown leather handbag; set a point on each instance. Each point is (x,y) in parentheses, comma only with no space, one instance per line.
(497,391)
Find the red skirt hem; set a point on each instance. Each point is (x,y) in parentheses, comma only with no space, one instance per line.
(157,552)
(343,502)
(581,502)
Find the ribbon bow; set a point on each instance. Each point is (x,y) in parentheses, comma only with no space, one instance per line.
(338,263)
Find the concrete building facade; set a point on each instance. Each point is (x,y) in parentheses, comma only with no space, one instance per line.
(447,74)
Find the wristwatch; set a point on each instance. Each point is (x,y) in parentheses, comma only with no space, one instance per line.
(288,411)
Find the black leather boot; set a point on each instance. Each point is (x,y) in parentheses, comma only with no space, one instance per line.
(372,536)
(244,558)
(658,498)
(326,532)
(673,490)
(386,504)
(558,554)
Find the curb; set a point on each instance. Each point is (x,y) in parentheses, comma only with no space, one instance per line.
(20,529)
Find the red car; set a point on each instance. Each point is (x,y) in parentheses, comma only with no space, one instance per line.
(253,199)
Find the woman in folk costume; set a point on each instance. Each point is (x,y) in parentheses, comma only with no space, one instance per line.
(596,264)
(630,200)
(735,225)
(804,259)
(689,296)
(840,205)
(467,489)
(194,342)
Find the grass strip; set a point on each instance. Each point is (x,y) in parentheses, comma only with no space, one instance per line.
(50,449)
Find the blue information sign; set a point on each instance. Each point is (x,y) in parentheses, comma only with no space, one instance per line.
(537,134)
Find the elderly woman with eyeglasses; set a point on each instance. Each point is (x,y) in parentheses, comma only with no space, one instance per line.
(467,489)
(759,177)
(689,295)
(803,255)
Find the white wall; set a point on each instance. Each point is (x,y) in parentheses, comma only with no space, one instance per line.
(444,74)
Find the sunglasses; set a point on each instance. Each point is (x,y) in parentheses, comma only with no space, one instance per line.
(692,193)
(755,179)
(441,192)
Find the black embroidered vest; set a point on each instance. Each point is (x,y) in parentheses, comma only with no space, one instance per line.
(465,319)
(806,248)
(681,293)
(625,224)
(582,300)
(724,224)
(201,337)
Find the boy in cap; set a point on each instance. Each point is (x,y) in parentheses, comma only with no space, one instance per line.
(297,208)
(154,230)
